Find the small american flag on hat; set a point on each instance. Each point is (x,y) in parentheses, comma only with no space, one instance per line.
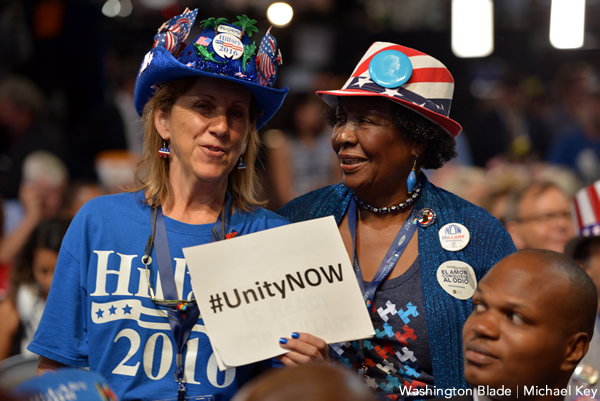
(203,40)
(166,40)
(175,31)
(266,60)
(180,25)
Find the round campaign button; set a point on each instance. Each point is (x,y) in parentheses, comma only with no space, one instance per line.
(454,236)
(390,68)
(228,46)
(457,279)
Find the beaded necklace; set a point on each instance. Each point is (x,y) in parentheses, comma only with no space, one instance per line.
(412,196)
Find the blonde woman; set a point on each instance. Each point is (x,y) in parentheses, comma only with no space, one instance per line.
(201,110)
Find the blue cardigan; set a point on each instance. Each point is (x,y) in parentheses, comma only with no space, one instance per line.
(445,315)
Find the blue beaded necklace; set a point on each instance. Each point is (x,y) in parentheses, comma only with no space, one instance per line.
(412,197)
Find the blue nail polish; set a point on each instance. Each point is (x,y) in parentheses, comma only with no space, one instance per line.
(295,335)
(282,341)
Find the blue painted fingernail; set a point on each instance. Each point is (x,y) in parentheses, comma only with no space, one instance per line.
(295,335)
(282,341)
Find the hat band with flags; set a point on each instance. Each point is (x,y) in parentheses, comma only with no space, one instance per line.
(223,51)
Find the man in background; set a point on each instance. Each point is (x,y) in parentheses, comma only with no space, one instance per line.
(539,217)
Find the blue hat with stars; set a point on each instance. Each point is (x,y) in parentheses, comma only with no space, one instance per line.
(222,51)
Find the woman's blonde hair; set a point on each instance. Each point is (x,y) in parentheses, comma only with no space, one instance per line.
(152,172)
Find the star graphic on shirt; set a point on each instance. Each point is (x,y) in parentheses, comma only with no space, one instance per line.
(410,371)
(112,310)
(100,313)
(370,382)
(127,309)
(389,330)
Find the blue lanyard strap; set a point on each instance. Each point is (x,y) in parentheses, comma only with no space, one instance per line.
(391,258)
(221,227)
(387,265)
(180,326)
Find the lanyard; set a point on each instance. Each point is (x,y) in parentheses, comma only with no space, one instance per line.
(180,326)
(389,261)
(387,265)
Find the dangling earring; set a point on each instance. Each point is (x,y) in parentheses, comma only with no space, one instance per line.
(411,181)
(165,151)
(241,164)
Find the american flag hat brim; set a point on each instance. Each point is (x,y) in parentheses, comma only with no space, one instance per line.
(428,91)
(585,209)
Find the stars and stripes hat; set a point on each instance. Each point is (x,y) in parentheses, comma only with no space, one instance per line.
(585,209)
(222,51)
(406,76)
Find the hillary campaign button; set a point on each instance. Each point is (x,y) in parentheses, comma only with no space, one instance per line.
(454,237)
(390,68)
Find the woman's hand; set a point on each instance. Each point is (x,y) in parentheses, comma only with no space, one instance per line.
(303,348)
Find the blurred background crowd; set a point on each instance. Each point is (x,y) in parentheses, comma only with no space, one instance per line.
(69,130)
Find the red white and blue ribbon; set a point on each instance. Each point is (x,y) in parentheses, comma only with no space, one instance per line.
(175,31)
(268,59)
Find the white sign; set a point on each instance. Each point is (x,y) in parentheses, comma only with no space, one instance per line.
(254,289)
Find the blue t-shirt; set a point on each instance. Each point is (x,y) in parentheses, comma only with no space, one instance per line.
(99,313)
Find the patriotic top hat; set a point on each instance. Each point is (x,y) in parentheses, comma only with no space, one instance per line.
(403,75)
(586,217)
(221,51)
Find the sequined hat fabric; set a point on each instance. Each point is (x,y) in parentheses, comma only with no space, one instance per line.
(403,75)
(223,50)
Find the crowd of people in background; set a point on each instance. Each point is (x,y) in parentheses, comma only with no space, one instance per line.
(521,157)
(528,149)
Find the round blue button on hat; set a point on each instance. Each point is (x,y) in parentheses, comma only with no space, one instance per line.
(390,68)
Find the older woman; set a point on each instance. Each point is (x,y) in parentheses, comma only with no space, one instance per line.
(122,302)
(417,249)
